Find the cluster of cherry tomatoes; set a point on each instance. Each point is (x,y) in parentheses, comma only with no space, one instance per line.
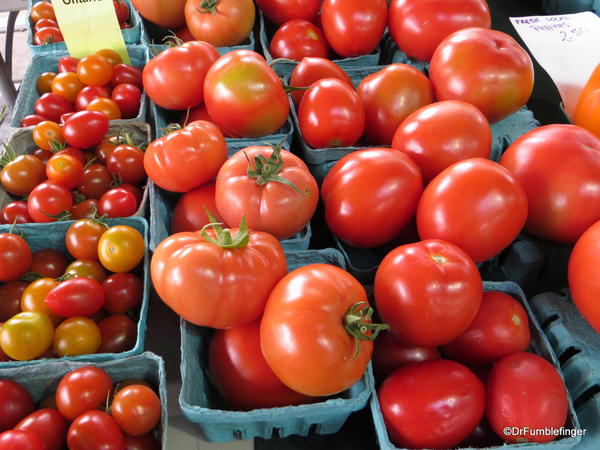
(62,181)
(98,82)
(45,26)
(71,307)
(88,408)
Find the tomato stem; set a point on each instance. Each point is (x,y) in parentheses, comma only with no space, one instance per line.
(223,237)
(60,217)
(57,146)
(8,155)
(358,325)
(31,277)
(290,89)
(208,6)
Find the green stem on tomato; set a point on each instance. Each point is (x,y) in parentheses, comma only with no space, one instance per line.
(357,324)
(208,6)
(223,238)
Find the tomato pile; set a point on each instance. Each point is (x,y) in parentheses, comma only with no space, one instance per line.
(87,408)
(72,307)
(45,26)
(98,82)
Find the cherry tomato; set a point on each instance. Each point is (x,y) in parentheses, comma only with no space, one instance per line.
(67,85)
(136,409)
(47,35)
(48,199)
(123,291)
(122,11)
(68,64)
(96,181)
(65,170)
(127,163)
(314,69)
(122,73)
(77,153)
(524,390)
(117,202)
(106,106)
(121,248)
(103,149)
(46,133)
(86,129)
(189,213)
(94,70)
(118,334)
(48,263)
(87,94)
(34,296)
(431,404)
(135,190)
(82,390)
(15,257)
(15,212)
(76,336)
(48,425)
(16,403)
(52,106)
(298,38)
(331,114)
(66,117)
(32,119)
(42,10)
(10,298)
(128,98)
(22,174)
(80,296)
(87,209)
(44,23)
(456,207)
(143,442)
(376,190)
(389,96)
(20,440)
(44,82)
(86,268)
(82,239)
(26,336)
(111,56)
(43,155)
(97,427)
(281,11)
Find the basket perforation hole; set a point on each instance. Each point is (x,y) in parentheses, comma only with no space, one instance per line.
(549,321)
(586,395)
(276,433)
(567,355)
(314,428)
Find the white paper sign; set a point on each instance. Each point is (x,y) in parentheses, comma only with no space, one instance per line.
(566,46)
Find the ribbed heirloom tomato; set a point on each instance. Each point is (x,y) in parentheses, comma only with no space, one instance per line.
(218,278)
(270,187)
(316,332)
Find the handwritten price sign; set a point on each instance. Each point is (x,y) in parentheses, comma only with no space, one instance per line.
(566,46)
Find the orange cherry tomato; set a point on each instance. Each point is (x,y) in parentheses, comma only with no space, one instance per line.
(42,10)
(47,132)
(44,82)
(106,106)
(94,70)
(111,56)
(67,85)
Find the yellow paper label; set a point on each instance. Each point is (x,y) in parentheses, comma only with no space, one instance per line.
(89,26)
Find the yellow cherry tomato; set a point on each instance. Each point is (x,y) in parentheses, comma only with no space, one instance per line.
(26,336)
(76,336)
(121,248)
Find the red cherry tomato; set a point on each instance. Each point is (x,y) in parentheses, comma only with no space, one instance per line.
(97,427)
(15,257)
(123,291)
(67,64)
(96,181)
(32,119)
(313,69)
(118,333)
(48,425)
(47,35)
(85,129)
(189,213)
(16,212)
(65,170)
(52,106)
(87,94)
(10,299)
(82,390)
(282,11)
(123,73)
(80,296)
(127,97)
(20,440)
(117,202)
(48,199)
(48,263)
(298,38)
(127,163)
(43,23)
(136,409)
(16,403)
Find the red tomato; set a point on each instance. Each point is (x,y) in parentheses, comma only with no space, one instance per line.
(501,327)
(282,11)
(189,213)
(87,209)
(419,29)
(43,155)
(95,430)
(127,97)
(331,114)
(271,188)
(43,23)
(76,297)
(390,354)
(20,175)
(123,73)
(211,274)
(32,119)
(82,237)
(370,196)
(96,181)
(354,27)
(174,79)
(486,68)
(298,38)
(48,425)
(87,94)
(15,404)
(122,10)
(85,129)
(136,409)
(524,390)
(47,35)
(52,106)
(82,390)
(127,163)
(118,333)
(431,404)
(123,291)
(428,292)
(42,10)
(583,281)
(65,170)
(67,64)
(20,440)
(15,257)
(10,298)
(323,300)
(165,14)
(310,70)
(223,24)
(135,190)
(94,70)
(48,263)
(563,194)
(443,133)
(117,202)
(187,158)
(241,373)
(244,96)
(389,96)
(77,153)
(475,204)
(48,199)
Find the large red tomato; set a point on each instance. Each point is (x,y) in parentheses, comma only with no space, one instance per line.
(524,390)
(562,181)
(331,114)
(174,79)
(242,375)
(244,96)
(190,210)
(389,96)
(326,302)
(186,158)
(428,292)
(371,195)
(484,67)
(431,404)
(281,11)
(390,354)
(475,204)
(583,278)
(418,27)
(168,14)
(271,187)
(298,38)
(501,327)
(443,133)
(222,23)
(354,27)
(218,278)
(313,69)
